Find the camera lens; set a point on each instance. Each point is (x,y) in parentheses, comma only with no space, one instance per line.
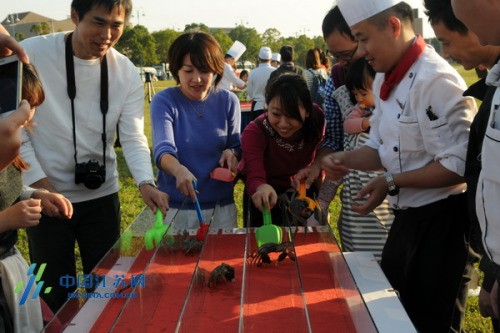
(91,174)
(92,182)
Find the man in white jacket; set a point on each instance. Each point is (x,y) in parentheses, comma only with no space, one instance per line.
(229,79)
(485,136)
(71,152)
(419,133)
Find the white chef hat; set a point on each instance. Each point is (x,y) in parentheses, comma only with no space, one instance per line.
(265,53)
(237,50)
(355,11)
(276,57)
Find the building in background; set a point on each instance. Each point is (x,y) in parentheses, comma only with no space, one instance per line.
(418,23)
(29,24)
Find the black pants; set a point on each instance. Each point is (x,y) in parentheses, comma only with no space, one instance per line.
(95,225)
(427,259)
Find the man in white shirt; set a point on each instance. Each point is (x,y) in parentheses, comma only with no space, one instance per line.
(90,88)
(484,146)
(257,81)
(419,133)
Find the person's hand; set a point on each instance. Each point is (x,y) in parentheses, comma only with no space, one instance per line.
(10,133)
(8,45)
(23,214)
(22,115)
(484,302)
(265,195)
(54,204)
(307,175)
(333,164)
(376,190)
(184,182)
(154,198)
(229,159)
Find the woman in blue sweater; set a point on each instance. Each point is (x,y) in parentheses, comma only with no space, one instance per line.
(196,129)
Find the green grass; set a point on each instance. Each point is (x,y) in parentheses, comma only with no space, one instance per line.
(131,205)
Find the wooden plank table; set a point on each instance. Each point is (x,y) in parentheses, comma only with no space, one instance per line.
(314,293)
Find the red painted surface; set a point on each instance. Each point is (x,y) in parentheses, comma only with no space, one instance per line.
(246,106)
(261,299)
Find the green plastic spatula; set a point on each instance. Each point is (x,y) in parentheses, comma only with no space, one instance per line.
(268,233)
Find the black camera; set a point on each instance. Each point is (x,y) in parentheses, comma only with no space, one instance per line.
(91,174)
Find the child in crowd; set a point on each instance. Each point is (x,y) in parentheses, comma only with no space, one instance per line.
(21,207)
(243,93)
(359,232)
(278,144)
(359,82)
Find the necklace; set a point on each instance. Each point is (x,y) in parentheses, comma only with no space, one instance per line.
(204,104)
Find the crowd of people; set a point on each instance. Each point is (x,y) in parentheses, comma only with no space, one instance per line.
(391,123)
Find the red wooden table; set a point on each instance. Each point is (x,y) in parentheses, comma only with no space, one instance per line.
(315,293)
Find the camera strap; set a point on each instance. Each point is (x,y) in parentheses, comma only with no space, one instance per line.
(104,104)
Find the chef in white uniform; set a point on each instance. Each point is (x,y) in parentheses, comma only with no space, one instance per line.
(229,79)
(419,133)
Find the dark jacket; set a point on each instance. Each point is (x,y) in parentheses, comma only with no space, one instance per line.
(287,67)
(473,167)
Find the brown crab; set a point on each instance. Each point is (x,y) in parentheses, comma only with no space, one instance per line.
(261,255)
(220,273)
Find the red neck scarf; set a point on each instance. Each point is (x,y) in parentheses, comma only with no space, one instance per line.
(393,77)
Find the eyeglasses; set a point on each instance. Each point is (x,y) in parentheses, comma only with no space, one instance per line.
(346,55)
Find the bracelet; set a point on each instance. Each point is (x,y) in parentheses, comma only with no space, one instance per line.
(148,182)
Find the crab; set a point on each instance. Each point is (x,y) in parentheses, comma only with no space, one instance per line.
(261,255)
(191,244)
(220,273)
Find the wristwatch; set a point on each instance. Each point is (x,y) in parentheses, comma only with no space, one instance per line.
(148,182)
(393,189)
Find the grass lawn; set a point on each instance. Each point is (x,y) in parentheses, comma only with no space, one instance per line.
(131,205)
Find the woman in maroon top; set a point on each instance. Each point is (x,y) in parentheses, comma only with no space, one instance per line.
(279,143)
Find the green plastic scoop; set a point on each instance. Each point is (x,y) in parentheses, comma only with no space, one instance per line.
(156,233)
(268,233)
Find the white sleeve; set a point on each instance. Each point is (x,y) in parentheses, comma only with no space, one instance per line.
(231,77)
(131,129)
(447,136)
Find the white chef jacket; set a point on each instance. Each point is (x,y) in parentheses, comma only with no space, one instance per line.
(488,186)
(257,81)
(229,78)
(407,139)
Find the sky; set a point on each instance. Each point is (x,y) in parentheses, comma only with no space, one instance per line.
(291,17)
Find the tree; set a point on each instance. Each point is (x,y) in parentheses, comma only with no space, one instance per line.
(40,29)
(164,40)
(223,39)
(138,45)
(250,38)
(319,42)
(20,36)
(196,27)
(271,38)
(302,45)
